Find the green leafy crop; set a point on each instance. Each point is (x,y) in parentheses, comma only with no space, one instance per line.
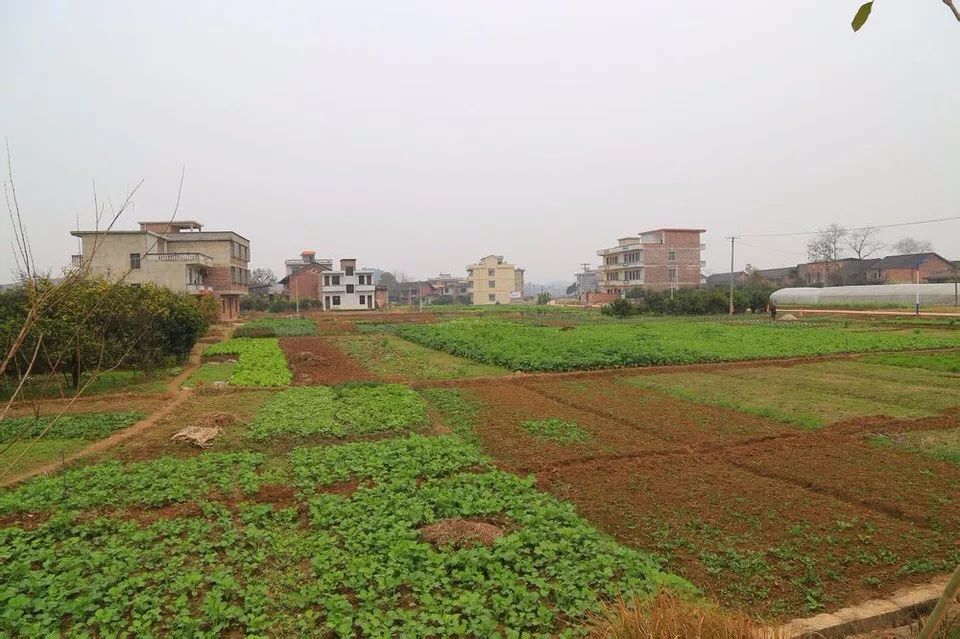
(348,409)
(260,362)
(87,426)
(278,326)
(528,347)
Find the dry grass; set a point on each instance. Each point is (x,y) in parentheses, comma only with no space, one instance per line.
(667,616)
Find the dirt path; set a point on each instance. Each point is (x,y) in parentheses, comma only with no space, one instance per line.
(179,398)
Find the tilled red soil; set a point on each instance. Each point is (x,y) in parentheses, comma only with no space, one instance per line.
(673,421)
(752,542)
(315,361)
(506,406)
(899,483)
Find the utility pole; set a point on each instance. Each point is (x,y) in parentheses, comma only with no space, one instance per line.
(732,238)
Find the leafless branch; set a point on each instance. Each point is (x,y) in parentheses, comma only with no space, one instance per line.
(953,8)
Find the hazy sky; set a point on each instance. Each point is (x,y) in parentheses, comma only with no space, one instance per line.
(419,136)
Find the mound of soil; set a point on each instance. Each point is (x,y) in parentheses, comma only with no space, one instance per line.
(461,533)
(217,420)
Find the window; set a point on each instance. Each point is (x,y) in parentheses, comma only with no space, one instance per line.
(611,259)
(336,300)
(348,270)
(363,299)
(349,288)
(491,272)
(491,284)
(134,260)
(491,297)
(672,273)
(631,257)
(335,279)
(326,280)
(672,256)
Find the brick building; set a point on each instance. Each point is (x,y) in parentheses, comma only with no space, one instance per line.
(659,260)
(304,278)
(178,255)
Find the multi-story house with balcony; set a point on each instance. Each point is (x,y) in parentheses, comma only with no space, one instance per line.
(661,259)
(178,255)
(348,289)
(304,278)
(494,281)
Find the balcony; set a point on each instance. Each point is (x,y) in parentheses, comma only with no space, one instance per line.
(187,258)
(620,249)
(196,289)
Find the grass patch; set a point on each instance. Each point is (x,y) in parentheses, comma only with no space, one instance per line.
(387,355)
(555,429)
(457,410)
(813,395)
(338,411)
(211,372)
(48,386)
(938,444)
(946,362)
(527,347)
(260,362)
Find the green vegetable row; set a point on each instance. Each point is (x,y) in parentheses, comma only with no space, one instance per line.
(527,347)
(260,362)
(349,409)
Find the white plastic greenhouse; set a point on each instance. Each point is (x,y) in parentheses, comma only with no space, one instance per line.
(899,294)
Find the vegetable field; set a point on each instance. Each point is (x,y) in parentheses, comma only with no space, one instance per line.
(277,327)
(260,362)
(527,347)
(338,411)
(353,562)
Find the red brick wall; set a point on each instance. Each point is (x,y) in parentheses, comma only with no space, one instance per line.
(307,284)
(218,277)
(599,298)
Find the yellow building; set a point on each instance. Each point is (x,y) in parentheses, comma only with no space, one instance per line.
(177,255)
(493,281)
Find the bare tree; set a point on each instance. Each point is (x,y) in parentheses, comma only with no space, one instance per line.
(909,246)
(262,277)
(827,244)
(864,242)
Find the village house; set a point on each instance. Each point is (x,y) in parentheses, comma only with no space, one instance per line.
(349,289)
(661,259)
(494,281)
(178,255)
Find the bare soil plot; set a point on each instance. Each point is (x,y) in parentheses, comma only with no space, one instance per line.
(505,406)
(314,361)
(145,404)
(671,420)
(903,485)
(767,546)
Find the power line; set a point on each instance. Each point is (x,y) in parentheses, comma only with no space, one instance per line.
(859,228)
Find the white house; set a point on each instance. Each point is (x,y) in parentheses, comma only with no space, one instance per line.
(348,289)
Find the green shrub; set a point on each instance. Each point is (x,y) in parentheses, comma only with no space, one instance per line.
(619,308)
